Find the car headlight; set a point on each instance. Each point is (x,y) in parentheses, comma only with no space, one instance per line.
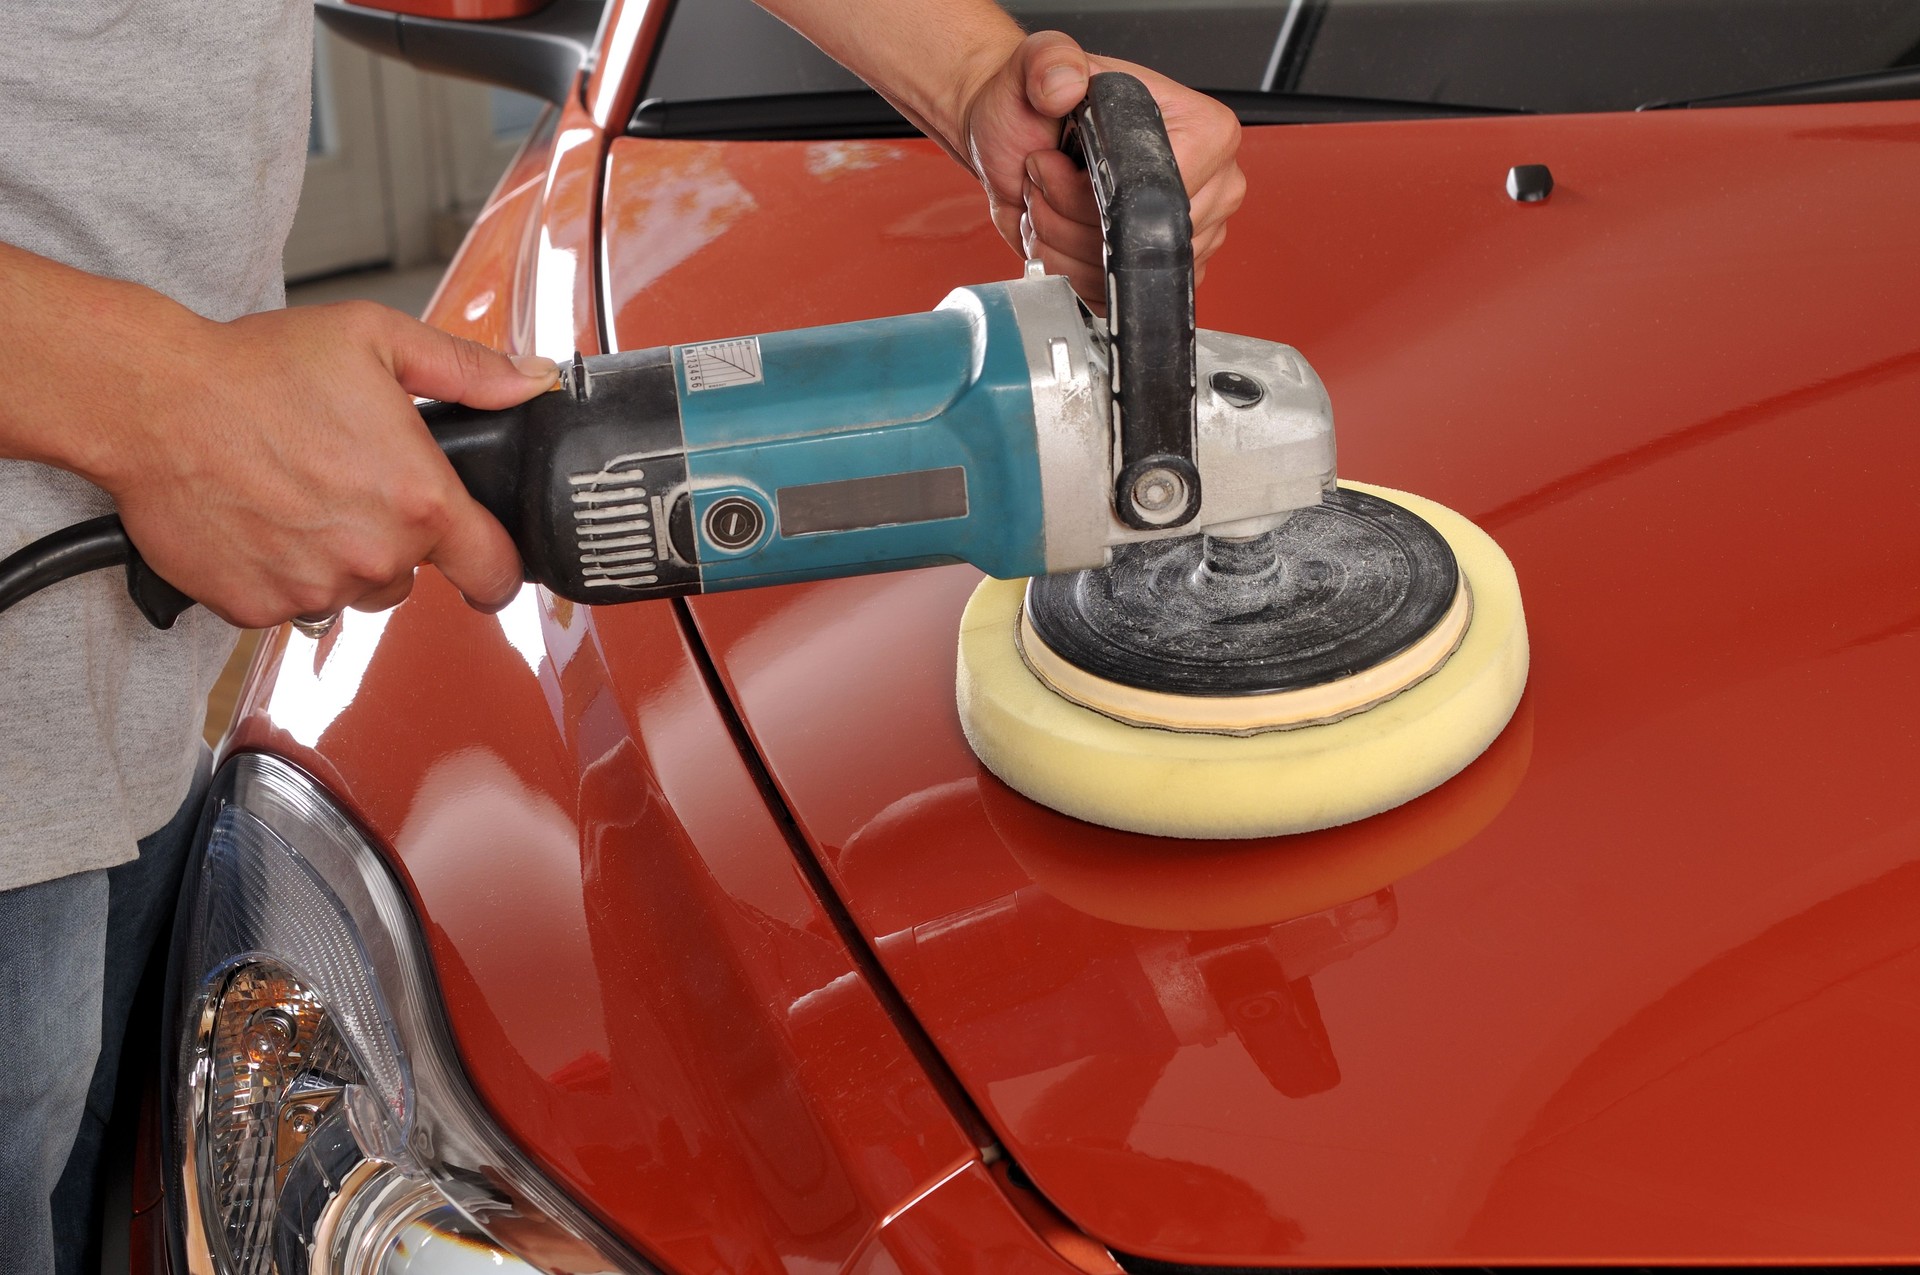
(320,1123)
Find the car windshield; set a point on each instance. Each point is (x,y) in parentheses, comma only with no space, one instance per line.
(1520,55)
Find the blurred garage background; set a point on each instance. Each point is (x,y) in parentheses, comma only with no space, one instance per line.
(398,163)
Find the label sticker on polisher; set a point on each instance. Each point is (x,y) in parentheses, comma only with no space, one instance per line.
(720,365)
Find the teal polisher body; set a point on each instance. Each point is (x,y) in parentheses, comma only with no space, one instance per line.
(1009,427)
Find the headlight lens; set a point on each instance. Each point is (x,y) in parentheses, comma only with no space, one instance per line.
(321,1125)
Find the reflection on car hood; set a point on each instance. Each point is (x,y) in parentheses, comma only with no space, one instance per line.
(1640,986)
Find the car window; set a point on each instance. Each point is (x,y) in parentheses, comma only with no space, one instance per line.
(1530,55)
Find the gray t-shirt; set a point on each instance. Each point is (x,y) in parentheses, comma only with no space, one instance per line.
(160,141)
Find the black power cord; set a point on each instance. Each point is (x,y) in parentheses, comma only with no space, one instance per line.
(68,552)
(89,546)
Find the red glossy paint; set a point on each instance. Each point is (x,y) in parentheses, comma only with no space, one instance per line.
(1658,1001)
(489,291)
(564,253)
(1640,985)
(146,1227)
(712,239)
(524,278)
(647,991)
(613,84)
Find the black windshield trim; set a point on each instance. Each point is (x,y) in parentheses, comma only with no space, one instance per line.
(1895,85)
(853,113)
(1278,107)
(858,113)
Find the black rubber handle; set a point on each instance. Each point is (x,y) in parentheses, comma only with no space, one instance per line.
(1147,242)
(484,447)
(159,601)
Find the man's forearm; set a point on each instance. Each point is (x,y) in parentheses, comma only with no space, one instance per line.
(82,349)
(927,57)
(270,466)
(966,74)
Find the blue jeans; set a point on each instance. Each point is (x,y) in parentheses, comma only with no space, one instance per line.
(71,955)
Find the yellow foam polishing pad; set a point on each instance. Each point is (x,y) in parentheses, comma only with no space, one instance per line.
(1188,784)
(1159,883)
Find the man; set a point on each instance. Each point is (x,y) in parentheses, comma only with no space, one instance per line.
(270,463)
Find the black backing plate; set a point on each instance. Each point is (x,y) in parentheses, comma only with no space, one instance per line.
(1333,591)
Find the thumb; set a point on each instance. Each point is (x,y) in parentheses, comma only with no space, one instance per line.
(1017,112)
(433,364)
(1055,71)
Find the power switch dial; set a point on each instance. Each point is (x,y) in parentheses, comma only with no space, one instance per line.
(734,523)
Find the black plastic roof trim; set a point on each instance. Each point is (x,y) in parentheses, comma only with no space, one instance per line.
(776,117)
(855,113)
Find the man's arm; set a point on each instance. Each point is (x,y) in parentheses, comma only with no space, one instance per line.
(274,466)
(966,74)
(269,467)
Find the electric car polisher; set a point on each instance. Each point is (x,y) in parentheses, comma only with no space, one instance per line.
(1217,639)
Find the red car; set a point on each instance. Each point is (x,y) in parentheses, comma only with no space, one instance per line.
(689,936)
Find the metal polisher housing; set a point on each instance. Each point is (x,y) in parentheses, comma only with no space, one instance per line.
(1264,429)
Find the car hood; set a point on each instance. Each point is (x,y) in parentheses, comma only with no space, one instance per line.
(1643,983)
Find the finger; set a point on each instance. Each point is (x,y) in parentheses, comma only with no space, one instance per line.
(1055,72)
(1038,248)
(1087,275)
(1219,200)
(1204,133)
(387,597)
(1044,224)
(1009,220)
(1070,238)
(1204,246)
(1206,242)
(1065,186)
(1205,158)
(478,558)
(1088,278)
(432,363)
